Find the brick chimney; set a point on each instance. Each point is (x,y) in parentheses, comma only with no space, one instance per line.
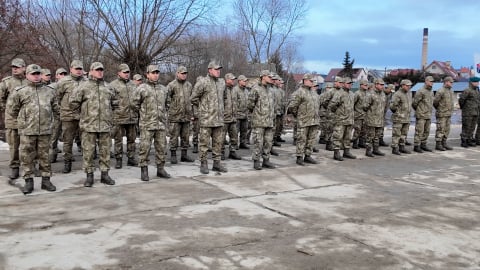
(424,48)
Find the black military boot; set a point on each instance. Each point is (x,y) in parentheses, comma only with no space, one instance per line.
(132,162)
(347,154)
(395,151)
(184,157)
(336,155)
(161,171)
(279,139)
(28,188)
(144,173)
(118,163)
(329,146)
(376,151)
(106,179)
(244,146)
(15,173)
(53,156)
(273,152)
(204,167)
(408,143)
(309,159)
(47,185)
(446,146)
(276,143)
(218,167)
(404,150)
(424,147)
(383,143)
(471,143)
(195,148)
(322,140)
(67,166)
(362,143)
(355,144)
(439,146)
(300,161)
(315,149)
(257,165)
(89,180)
(173,157)
(464,143)
(234,155)
(417,149)
(267,164)
(368,151)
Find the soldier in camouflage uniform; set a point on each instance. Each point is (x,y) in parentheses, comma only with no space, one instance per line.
(195,127)
(46,76)
(229,121)
(241,95)
(359,126)
(35,107)
(68,116)
(279,109)
(207,99)
(124,116)
(401,107)
(7,86)
(180,114)
(325,100)
(57,125)
(261,102)
(325,125)
(151,102)
(469,102)
(388,93)
(374,106)
(423,105)
(443,103)
(137,79)
(95,100)
(305,107)
(342,107)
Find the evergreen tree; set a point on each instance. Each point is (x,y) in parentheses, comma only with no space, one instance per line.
(347,70)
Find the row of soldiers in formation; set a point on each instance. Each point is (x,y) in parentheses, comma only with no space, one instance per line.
(99,111)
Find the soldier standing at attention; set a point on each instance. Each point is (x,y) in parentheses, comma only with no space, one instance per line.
(241,94)
(46,76)
(57,125)
(323,113)
(94,98)
(400,107)
(261,102)
(137,79)
(469,102)
(279,109)
(150,102)
(359,133)
(388,93)
(330,116)
(7,86)
(374,106)
(229,120)
(35,107)
(423,104)
(180,113)
(443,103)
(125,118)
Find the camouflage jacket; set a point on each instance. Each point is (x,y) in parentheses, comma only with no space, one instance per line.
(341,105)
(325,115)
(207,101)
(125,91)
(304,107)
(469,101)
(151,103)
(358,101)
(35,107)
(374,106)
(230,105)
(279,95)
(64,90)
(400,107)
(423,103)
(7,86)
(241,95)
(443,102)
(261,103)
(178,101)
(95,99)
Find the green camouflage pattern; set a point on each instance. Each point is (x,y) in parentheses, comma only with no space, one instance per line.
(207,101)
(151,101)
(178,101)
(125,91)
(261,102)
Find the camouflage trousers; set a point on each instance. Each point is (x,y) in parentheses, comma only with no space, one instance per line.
(33,148)
(399,133)
(373,136)
(249,130)
(231,130)
(130,131)
(342,136)
(195,130)
(468,126)
(69,131)
(13,140)
(422,130)
(182,130)
(327,130)
(359,129)
(89,140)
(443,128)
(278,126)
(159,138)
(56,132)
(294,124)
(217,136)
(263,141)
(306,139)
(242,127)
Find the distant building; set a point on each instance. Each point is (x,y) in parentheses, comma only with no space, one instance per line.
(358,74)
(442,69)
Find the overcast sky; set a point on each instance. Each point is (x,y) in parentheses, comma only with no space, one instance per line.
(388,33)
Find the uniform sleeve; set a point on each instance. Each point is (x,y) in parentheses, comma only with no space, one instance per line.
(367,102)
(252,99)
(334,103)
(416,99)
(395,103)
(13,104)
(76,97)
(293,106)
(437,98)
(3,95)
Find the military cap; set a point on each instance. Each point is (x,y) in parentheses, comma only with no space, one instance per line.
(152,68)
(391,86)
(365,82)
(96,65)
(474,79)
(242,78)
(448,79)
(123,68)
(182,69)
(347,80)
(429,79)
(329,85)
(33,68)
(137,77)
(379,80)
(265,72)
(405,82)
(76,64)
(230,76)
(46,71)
(18,62)
(338,79)
(60,70)
(308,76)
(214,65)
